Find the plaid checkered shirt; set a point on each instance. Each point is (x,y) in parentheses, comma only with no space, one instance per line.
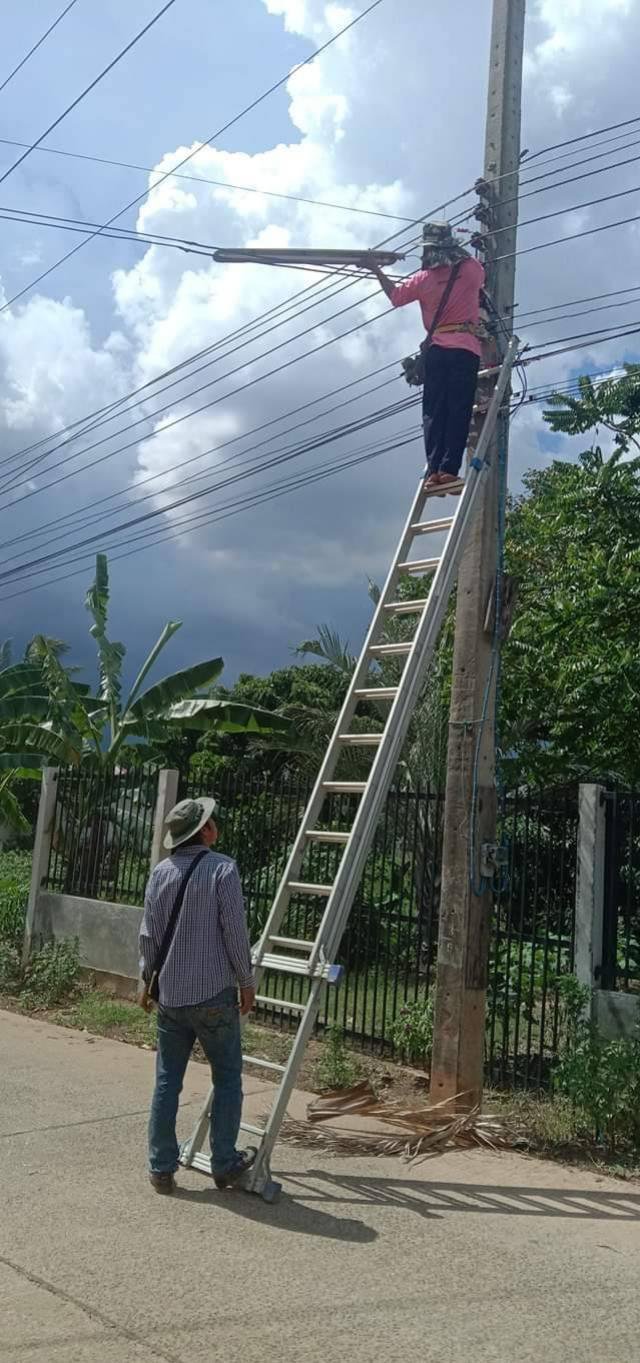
(210,949)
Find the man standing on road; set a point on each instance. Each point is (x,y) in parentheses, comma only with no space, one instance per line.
(207,962)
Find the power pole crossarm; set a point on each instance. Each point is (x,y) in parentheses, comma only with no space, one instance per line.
(470,806)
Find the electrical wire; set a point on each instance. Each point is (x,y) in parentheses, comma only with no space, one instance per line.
(190,155)
(184,416)
(190,247)
(560,212)
(334,434)
(233,440)
(39,43)
(570,141)
(571,236)
(471,210)
(87,90)
(575,302)
(219,184)
(303,479)
(61,224)
(143,517)
(43,561)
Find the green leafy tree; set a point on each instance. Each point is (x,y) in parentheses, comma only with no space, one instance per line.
(102,728)
(47,715)
(612,405)
(571,667)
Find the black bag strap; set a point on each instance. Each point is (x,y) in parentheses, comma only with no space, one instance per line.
(448,289)
(175,914)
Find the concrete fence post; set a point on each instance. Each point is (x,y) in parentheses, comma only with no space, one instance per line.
(590,872)
(41,851)
(167,797)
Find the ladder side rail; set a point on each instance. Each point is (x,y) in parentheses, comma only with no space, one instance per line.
(351,867)
(318,793)
(279,1108)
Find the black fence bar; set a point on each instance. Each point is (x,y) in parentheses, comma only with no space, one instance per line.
(103,829)
(621,925)
(101,849)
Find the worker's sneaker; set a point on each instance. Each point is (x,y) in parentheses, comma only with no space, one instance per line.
(163,1183)
(243,1161)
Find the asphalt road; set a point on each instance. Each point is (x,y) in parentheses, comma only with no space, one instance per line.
(470,1258)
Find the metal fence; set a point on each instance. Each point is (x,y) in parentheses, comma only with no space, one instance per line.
(621,918)
(388,950)
(103,829)
(101,849)
(532,940)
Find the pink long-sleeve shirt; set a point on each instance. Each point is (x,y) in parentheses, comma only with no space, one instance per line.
(463,305)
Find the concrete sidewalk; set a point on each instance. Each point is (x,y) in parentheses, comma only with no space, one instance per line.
(470,1258)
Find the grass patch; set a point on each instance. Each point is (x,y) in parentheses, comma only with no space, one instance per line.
(553,1128)
(96,1012)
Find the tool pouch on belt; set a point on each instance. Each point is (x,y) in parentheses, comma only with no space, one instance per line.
(414,365)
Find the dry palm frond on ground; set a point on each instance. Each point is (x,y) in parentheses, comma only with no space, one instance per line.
(419,1130)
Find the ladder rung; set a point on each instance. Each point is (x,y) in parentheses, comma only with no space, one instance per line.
(450,489)
(263,1064)
(281,1003)
(376,692)
(432,527)
(292,942)
(406,607)
(304,887)
(344,787)
(252,1130)
(360,740)
(419,565)
(290,965)
(391,650)
(320,835)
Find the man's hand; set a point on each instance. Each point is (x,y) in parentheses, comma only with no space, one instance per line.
(247,1000)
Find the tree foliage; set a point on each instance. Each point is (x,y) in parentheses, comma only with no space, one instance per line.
(571,667)
(612,405)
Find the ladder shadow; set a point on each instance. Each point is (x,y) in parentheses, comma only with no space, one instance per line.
(434,1200)
(289,1213)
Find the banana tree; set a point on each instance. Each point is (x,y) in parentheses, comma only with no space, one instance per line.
(116,727)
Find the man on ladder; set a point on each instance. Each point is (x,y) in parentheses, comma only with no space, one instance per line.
(448,289)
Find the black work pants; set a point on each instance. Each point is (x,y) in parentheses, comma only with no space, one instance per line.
(447,406)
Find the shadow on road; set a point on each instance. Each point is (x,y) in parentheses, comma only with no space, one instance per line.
(288,1214)
(436,1199)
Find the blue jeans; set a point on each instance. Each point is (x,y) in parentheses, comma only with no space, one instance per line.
(216,1025)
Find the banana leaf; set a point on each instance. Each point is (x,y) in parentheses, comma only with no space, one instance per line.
(227,716)
(20,678)
(10,811)
(169,630)
(24,764)
(17,707)
(40,740)
(176,687)
(110,654)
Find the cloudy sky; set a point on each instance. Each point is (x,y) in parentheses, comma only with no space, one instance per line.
(390,122)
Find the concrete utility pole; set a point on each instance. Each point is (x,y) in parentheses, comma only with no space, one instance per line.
(463,941)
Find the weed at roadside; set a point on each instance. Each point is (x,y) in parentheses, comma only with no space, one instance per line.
(336,1068)
(51,975)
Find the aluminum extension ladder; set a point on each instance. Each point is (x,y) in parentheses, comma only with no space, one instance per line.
(314,960)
